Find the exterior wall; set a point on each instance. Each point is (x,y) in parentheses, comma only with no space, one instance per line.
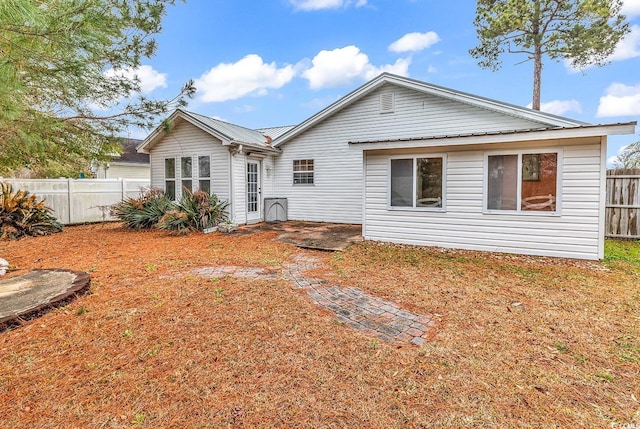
(575,232)
(239,188)
(122,171)
(188,140)
(336,195)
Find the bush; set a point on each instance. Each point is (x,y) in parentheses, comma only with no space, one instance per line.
(143,212)
(195,211)
(22,214)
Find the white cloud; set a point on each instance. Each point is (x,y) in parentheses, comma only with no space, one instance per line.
(620,100)
(412,42)
(631,8)
(560,107)
(308,5)
(432,69)
(149,78)
(250,75)
(343,65)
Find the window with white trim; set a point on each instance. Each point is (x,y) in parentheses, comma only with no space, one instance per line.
(303,172)
(204,173)
(525,181)
(170,177)
(417,182)
(186,172)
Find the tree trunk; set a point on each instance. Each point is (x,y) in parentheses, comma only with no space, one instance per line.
(537,77)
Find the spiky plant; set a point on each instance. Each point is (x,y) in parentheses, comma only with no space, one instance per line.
(21,213)
(199,210)
(145,211)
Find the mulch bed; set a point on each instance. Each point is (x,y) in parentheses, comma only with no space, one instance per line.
(523,342)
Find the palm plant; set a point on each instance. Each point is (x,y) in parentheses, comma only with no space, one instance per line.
(22,214)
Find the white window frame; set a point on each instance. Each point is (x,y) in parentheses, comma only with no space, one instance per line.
(294,171)
(198,177)
(173,179)
(414,158)
(518,211)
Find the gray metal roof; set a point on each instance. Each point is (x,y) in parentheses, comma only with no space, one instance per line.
(232,132)
(275,132)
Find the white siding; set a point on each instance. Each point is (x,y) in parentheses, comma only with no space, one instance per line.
(188,140)
(239,199)
(122,171)
(574,233)
(336,195)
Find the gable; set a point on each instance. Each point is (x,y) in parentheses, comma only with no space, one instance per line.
(431,95)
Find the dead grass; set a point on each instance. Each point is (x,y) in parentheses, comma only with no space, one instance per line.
(524,342)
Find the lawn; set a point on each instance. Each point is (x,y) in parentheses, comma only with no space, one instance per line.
(521,341)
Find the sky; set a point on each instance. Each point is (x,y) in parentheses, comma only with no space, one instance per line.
(261,63)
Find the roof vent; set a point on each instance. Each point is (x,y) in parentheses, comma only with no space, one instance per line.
(387,103)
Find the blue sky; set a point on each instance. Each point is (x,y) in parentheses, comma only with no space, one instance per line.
(277,62)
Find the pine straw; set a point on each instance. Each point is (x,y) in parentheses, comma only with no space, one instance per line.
(523,342)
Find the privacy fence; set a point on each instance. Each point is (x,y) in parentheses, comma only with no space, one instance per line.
(623,204)
(81,200)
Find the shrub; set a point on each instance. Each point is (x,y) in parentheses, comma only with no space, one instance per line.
(195,211)
(143,212)
(22,214)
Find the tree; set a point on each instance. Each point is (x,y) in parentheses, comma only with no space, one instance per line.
(629,158)
(67,79)
(583,32)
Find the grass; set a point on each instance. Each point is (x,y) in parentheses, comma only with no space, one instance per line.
(523,341)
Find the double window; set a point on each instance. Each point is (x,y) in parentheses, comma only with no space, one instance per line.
(303,172)
(417,182)
(186,175)
(522,182)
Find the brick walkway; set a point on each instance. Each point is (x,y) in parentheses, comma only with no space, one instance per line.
(353,307)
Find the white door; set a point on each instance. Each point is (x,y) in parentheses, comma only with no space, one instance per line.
(253,191)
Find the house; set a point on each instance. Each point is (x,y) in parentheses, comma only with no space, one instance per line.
(413,163)
(130,164)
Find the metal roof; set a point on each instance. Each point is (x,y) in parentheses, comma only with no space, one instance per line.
(275,132)
(234,133)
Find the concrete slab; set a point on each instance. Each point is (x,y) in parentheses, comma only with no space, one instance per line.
(311,235)
(31,293)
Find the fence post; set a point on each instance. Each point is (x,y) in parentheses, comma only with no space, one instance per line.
(70,198)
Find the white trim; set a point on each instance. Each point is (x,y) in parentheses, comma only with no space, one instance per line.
(509,137)
(414,158)
(518,211)
(603,197)
(364,196)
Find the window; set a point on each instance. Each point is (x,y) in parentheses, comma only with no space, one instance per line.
(170,177)
(417,182)
(522,182)
(303,172)
(186,172)
(204,174)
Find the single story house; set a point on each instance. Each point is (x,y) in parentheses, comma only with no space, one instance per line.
(413,163)
(130,164)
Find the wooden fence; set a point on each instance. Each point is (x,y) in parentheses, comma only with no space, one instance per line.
(623,204)
(81,200)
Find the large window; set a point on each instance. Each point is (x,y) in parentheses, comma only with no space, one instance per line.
(186,172)
(417,182)
(303,172)
(204,174)
(170,177)
(522,182)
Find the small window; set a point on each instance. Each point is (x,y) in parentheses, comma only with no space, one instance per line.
(303,172)
(186,172)
(522,182)
(417,182)
(204,174)
(170,177)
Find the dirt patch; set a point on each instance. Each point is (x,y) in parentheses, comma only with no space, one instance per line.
(523,342)
(311,235)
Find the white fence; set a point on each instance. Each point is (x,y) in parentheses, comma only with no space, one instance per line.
(80,200)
